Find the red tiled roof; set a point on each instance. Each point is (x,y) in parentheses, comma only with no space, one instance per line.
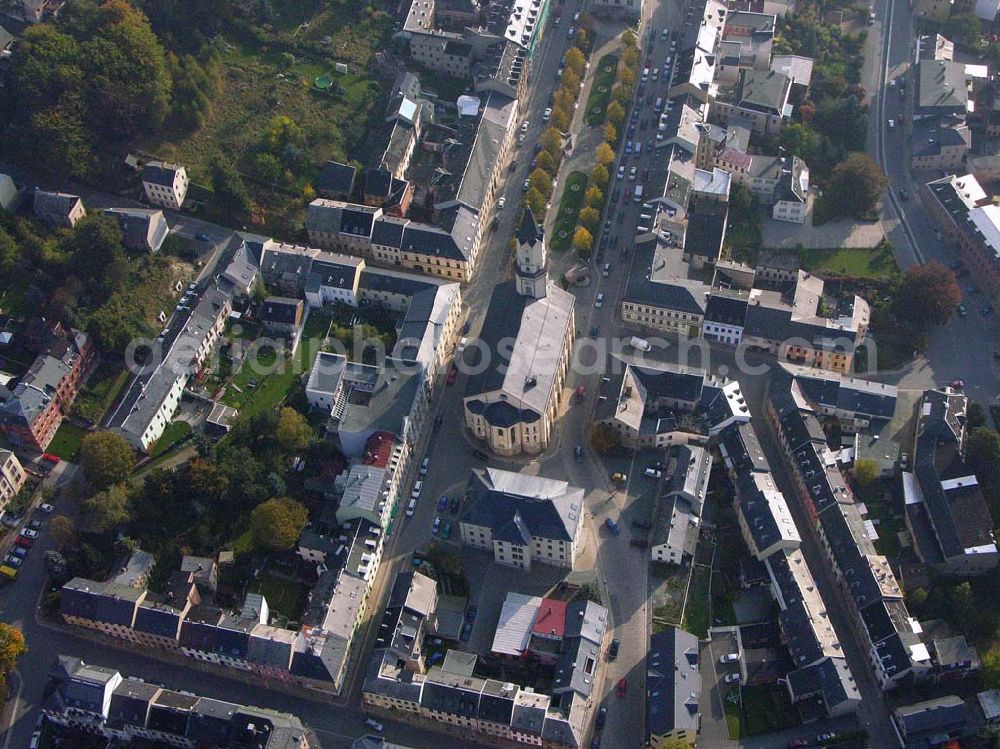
(378,449)
(551,618)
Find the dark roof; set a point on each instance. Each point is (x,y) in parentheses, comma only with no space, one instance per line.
(158,619)
(672,676)
(496,702)
(430,240)
(378,183)
(706,228)
(388,231)
(503,320)
(528,231)
(680,294)
(726,308)
(130,703)
(159,173)
(279,309)
(516,518)
(941,715)
(671,382)
(741,447)
(336,178)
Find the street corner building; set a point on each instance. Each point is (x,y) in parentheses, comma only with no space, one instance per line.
(513,401)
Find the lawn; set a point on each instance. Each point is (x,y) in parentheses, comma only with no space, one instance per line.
(286,597)
(731,704)
(697,608)
(600,90)
(66,441)
(174,433)
(877,263)
(766,709)
(101,390)
(271,389)
(569,209)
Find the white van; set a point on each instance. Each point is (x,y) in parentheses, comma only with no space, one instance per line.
(638,148)
(417,487)
(410,507)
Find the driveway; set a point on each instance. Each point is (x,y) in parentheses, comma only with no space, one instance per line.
(843,233)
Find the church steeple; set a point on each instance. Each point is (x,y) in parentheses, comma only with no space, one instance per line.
(532,278)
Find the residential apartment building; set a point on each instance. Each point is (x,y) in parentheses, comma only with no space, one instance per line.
(875,599)
(93,701)
(673,689)
(522,519)
(758,97)
(940,143)
(153,396)
(746,44)
(143,230)
(946,512)
(186,621)
(12,477)
(677,511)
(45,393)
(967,216)
(165,185)
(59,208)
(617,9)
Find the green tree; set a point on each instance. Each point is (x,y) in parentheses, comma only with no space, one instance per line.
(564,99)
(542,182)
(62,531)
(583,240)
(267,167)
(966,30)
(628,40)
(551,141)
(621,94)
(866,472)
(975,416)
(575,60)
(590,218)
(294,433)
(10,254)
(545,162)
(616,114)
(928,294)
(844,120)
(535,201)
(627,78)
(228,190)
(97,255)
(856,186)
(571,84)
(605,154)
(560,119)
(106,458)
(593,197)
(599,176)
(277,523)
(104,511)
(990,675)
(630,58)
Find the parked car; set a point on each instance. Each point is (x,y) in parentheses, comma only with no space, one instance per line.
(456,504)
(501,203)
(417,488)
(17,551)
(46,508)
(35,525)
(524,126)
(446,531)
(547,114)
(526,186)
(613,649)
(452,374)
(374,725)
(622,687)
(442,503)
(424,465)
(599,301)
(602,717)
(578,453)
(962,311)
(612,526)
(436,526)
(463,343)
(29,533)
(12,561)
(729,658)
(798,742)
(732,678)
(24,542)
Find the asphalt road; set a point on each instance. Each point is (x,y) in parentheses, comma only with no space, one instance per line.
(962,349)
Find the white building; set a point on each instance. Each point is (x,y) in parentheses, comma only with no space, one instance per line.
(166,185)
(523,519)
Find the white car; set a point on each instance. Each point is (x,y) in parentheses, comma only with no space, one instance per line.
(417,487)
(524,126)
(374,725)
(729,658)
(732,678)
(28,533)
(632,172)
(621,172)
(607,270)
(599,302)
(501,203)
(892,124)
(547,114)
(462,344)
(520,139)
(46,508)
(424,465)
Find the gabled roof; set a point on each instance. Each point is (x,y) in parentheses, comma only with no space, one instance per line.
(159,173)
(336,178)
(673,683)
(544,508)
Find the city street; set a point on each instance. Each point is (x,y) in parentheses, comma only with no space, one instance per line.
(963,348)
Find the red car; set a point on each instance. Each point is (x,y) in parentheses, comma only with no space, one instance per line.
(452,374)
(24,542)
(622,687)
(798,742)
